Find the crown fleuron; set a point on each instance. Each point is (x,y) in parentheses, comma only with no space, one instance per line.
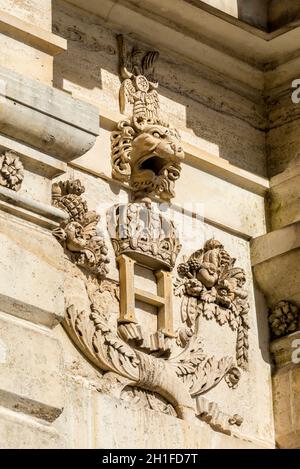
(142,232)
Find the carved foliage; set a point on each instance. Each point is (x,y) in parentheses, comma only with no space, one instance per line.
(212,287)
(199,371)
(284,318)
(170,383)
(78,233)
(147,399)
(11,171)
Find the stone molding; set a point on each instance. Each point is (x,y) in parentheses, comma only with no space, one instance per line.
(63,126)
(275,258)
(31,34)
(26,208)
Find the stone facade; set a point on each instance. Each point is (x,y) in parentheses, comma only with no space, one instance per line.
(149,225)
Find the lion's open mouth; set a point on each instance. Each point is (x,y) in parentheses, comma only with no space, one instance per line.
(154,163)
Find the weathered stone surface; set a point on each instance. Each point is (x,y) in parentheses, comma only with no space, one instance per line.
(46,118)
(31,272)
(31,11)
(120,354)
(24,347)
(286,395)
(18,431)
(285,196)
(275,260)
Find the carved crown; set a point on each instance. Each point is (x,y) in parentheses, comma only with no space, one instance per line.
(142,232)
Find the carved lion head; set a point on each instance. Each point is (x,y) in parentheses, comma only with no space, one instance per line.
(149,159)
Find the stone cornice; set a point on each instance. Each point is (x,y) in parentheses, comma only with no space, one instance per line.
(199,35)
(64,127)
(26,208)
(31,34)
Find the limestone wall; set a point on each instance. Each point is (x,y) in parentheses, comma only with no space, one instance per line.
(53,394)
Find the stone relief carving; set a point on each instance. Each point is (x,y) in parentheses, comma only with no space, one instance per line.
(141,230)
(146,151)
(147,399)
(11,170)
(212,287)
(172,382)
(284,318)
(210,413)
(165,371)
(78,233)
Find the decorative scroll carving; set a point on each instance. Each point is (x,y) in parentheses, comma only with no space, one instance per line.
(141,231)
(11,170)
(78,233)
(146,152)
(212,287)
(210,413)
(136,61)
(177,379)
(232,378)
(284,318)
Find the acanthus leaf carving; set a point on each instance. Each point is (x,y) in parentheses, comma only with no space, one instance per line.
(209,285)
(199,371)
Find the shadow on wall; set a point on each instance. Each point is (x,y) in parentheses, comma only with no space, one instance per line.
(231,123)
(90,65)
(254,12)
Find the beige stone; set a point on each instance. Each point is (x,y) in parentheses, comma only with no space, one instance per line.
(25,347)
(275,260)
(31,285)
(18,431)
(88,342)
(285,196)
(286,391)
